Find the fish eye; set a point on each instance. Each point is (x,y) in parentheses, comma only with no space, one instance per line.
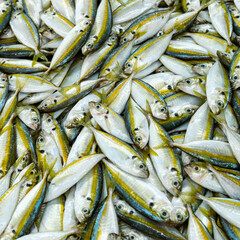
(173,169)
(151,204)
(188,81)
(85,210)
(141,166)
(139,138)
(176,184)
(188,110)
(49,120)
(163,109)
(119,206)
(86,23)
(164,214)
(196,168)
(200,80)
(35,119)
(23,158)
(129,65)
(131,212)
(235,77)
(220,103)
(176,115)
(132,237)
(124,39)
(98,106)
(41,139)
(133,32)
(89,45)
(179,217)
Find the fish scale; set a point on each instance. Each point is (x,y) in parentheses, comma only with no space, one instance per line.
(119,119)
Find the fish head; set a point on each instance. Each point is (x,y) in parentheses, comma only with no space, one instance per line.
(175,185)
(179,214)
(87,48)
(140,138)
(127,38)
(3,79)
(235,79)
(117,29)
(123,207)
(114,236)
(47,122)
(16,13)
(129,66)
(217,103)
(202,68)
(48,102)
(190,83)
(163,210)
(75,119)
(130,233)
(140,169)
(159,111)
(196,171)
(85,211)
(34,117)
(97,109)
(113,38)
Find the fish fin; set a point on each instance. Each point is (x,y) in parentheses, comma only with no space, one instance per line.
(152,152)
(102,95)
(148,108)
(205,5)
(220,118)
(142,111)
(111,183)
(121,2)
(197,94)
(20,85)
(47,168)
(200,196)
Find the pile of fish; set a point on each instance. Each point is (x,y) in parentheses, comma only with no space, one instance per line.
(119,119)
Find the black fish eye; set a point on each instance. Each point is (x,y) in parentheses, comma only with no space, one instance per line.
(151,204)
